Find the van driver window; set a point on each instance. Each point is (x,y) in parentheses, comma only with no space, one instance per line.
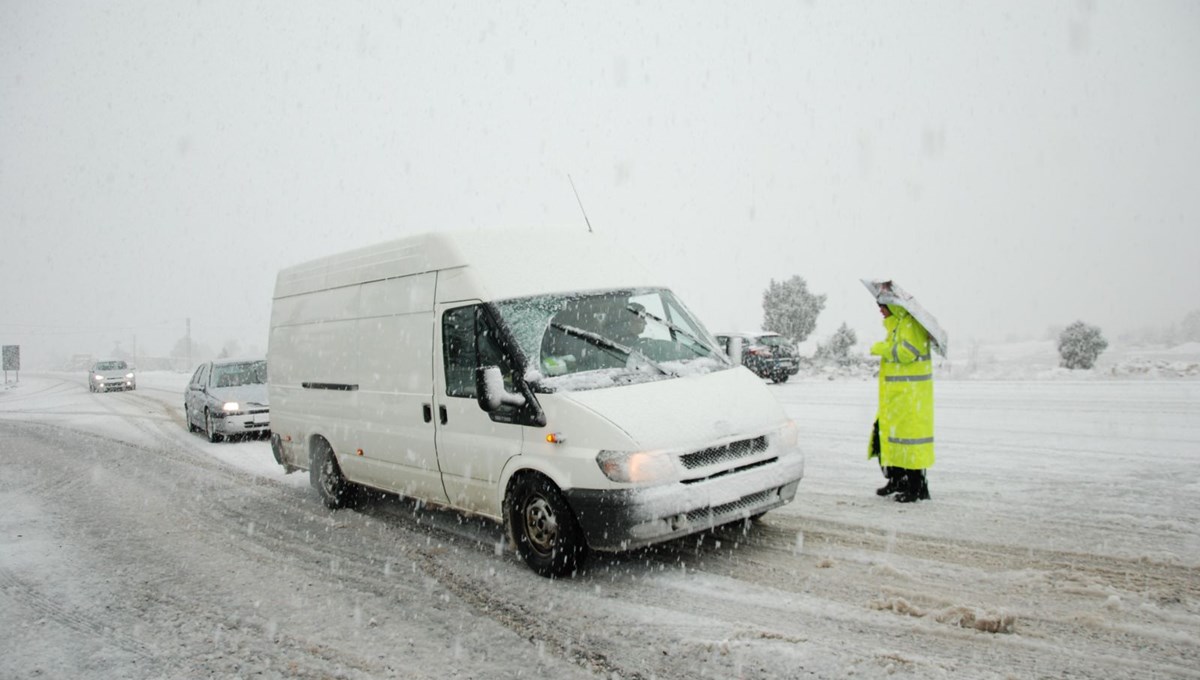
(463,350)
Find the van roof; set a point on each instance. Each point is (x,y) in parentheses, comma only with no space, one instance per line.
(502,264)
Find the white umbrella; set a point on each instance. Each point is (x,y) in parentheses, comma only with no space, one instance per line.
(888,293)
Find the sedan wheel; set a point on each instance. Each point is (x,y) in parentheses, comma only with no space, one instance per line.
(209,429)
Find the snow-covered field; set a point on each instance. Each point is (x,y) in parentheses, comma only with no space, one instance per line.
(1062,540)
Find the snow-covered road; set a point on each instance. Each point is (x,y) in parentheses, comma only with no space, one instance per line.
(1061,541)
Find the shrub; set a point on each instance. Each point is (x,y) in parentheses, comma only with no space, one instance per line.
(837,348)
(1079,345)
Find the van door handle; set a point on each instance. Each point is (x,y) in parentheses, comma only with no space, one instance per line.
(442,413)
(427,411)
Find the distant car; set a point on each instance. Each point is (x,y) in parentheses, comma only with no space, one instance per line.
(768,355)
(228,398)
(111,375)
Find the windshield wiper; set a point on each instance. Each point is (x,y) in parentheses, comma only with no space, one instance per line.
(608,344)
(672,327)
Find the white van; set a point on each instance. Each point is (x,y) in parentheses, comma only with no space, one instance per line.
(542,380)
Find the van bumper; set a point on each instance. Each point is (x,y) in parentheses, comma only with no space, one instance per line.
(625,519)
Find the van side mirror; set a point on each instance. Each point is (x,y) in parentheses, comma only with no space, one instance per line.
(490,392)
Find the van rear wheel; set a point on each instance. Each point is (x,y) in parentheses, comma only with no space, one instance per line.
(544,528)
(326,476)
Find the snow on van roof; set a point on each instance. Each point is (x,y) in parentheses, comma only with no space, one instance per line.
(496,265)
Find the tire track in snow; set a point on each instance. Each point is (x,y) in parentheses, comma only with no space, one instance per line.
(151,600)
(81,622)
(359,567)
(1054,595)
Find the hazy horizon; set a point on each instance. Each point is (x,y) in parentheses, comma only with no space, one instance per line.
(1017,167)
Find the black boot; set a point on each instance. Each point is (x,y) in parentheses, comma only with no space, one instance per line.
(895,477)
(915,488)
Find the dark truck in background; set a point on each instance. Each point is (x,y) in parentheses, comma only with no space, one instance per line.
(768,355)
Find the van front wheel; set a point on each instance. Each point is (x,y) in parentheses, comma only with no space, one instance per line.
(544,528)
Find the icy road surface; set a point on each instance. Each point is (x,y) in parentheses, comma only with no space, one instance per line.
(1062,541)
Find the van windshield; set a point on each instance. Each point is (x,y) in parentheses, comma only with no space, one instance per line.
(601,339)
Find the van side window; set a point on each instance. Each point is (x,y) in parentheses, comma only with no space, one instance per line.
(468,341)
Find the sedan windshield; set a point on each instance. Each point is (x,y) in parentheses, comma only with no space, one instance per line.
(233,375)
(111,366)
(593,340)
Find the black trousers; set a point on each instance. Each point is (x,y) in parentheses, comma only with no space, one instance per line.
(889,472)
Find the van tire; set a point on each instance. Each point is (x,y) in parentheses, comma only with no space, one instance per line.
(209,430)
(326,477)
(544,528)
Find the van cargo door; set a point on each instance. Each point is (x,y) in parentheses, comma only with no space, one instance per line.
(392,431)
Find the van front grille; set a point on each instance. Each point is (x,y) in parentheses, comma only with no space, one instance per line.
(726,452)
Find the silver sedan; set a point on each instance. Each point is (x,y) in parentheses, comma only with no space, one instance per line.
(111,375)
(227,398)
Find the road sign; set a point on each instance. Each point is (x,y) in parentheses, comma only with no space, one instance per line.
(12,357)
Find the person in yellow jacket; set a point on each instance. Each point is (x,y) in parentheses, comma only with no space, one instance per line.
(903,433)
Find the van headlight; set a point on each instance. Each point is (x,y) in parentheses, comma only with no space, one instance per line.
(637,467)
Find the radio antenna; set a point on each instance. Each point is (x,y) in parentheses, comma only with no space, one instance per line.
(577,199)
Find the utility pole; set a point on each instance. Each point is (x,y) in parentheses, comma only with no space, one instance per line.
(188,354)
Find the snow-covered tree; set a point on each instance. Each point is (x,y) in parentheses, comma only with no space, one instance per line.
(837,347)
(1189,330)
(231,348)
(790,310)
(1080,344)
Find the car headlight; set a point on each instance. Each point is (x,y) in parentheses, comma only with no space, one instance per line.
(637,467)
(98,377)
(229,406)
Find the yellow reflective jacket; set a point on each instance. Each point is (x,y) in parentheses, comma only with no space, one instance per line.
(905,393)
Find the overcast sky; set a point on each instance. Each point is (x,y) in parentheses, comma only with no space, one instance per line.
(1016,165)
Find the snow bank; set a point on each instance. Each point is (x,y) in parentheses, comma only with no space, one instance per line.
(1035,360)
